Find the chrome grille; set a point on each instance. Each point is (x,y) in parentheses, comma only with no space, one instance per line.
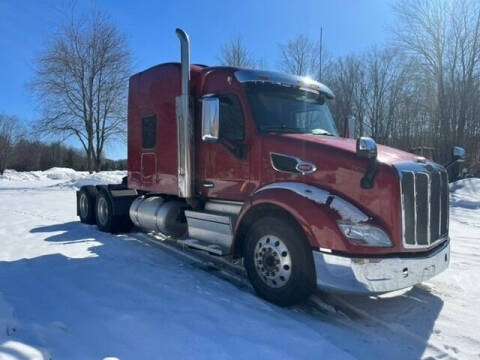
(424,192)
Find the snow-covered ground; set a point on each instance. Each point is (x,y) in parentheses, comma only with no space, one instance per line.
(68,291)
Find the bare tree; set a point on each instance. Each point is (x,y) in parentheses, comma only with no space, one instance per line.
(443,38)
(463,65)
(10,133)
(345,76)
(300,56)
(81,82)
(385,74)
(235,53)
(422,33)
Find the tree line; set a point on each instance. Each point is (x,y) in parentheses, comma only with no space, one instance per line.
(419,91)
(21,153)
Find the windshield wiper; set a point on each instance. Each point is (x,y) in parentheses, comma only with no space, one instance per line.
(321,132)
(280,128)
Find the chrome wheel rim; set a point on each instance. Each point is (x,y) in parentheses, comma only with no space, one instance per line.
(273,261)
(102,210)
(83,203)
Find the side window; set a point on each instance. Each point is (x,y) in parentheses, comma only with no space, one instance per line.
(231,118)
(149,132)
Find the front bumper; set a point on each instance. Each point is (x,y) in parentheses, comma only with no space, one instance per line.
(378,275)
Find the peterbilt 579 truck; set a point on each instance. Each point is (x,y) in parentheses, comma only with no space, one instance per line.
(248,164)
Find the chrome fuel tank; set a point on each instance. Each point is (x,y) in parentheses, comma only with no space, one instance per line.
(154,214)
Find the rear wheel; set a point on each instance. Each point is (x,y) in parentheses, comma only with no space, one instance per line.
(86,207)
(106,221)
(279,261)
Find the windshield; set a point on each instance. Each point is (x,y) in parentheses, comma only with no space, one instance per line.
(278,108)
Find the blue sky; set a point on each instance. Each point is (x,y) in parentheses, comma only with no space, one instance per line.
(26,25)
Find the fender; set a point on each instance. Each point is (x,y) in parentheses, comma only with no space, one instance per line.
(316,210)
(120,196)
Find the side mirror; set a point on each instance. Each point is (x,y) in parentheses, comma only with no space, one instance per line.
(459,153)
(210,119)
(349,127)
(366,148)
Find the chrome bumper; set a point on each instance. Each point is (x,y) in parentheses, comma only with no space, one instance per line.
(377,275)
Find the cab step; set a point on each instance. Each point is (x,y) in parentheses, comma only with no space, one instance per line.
(204,246)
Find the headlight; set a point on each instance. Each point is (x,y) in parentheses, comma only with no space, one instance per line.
(365,235)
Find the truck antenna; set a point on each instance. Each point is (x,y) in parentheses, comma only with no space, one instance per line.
(321,46)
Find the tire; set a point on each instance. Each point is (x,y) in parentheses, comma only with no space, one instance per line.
(106,222)
(86,207)
(279,261)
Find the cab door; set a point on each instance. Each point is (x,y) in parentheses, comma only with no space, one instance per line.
(225,163)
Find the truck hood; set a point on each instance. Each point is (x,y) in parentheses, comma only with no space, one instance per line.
(339,171)
(386,154)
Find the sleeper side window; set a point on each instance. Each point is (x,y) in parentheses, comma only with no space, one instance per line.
(231,118)
(149,132)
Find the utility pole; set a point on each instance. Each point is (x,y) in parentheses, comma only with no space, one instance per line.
(321,45)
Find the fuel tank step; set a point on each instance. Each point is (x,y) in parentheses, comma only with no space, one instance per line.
(211,227)
(204,246)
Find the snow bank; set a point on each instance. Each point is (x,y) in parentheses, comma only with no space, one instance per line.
(465,193)
(57,177)
(58,173)
(12,175)
(104,177)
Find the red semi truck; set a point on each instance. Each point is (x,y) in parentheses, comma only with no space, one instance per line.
(249,164)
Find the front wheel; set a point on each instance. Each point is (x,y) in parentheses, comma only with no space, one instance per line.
(279,261)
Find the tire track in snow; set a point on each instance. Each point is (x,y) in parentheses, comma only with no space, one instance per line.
(36,215)
(395,329)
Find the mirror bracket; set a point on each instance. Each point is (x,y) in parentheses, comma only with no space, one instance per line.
(367,180)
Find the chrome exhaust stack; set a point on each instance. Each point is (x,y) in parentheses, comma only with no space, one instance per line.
(185,126)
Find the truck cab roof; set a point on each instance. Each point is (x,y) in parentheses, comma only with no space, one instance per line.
(242,75)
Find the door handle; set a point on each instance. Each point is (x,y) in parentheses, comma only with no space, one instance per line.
(208,184)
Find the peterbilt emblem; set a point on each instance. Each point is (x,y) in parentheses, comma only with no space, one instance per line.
(291,164)
(305,168)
